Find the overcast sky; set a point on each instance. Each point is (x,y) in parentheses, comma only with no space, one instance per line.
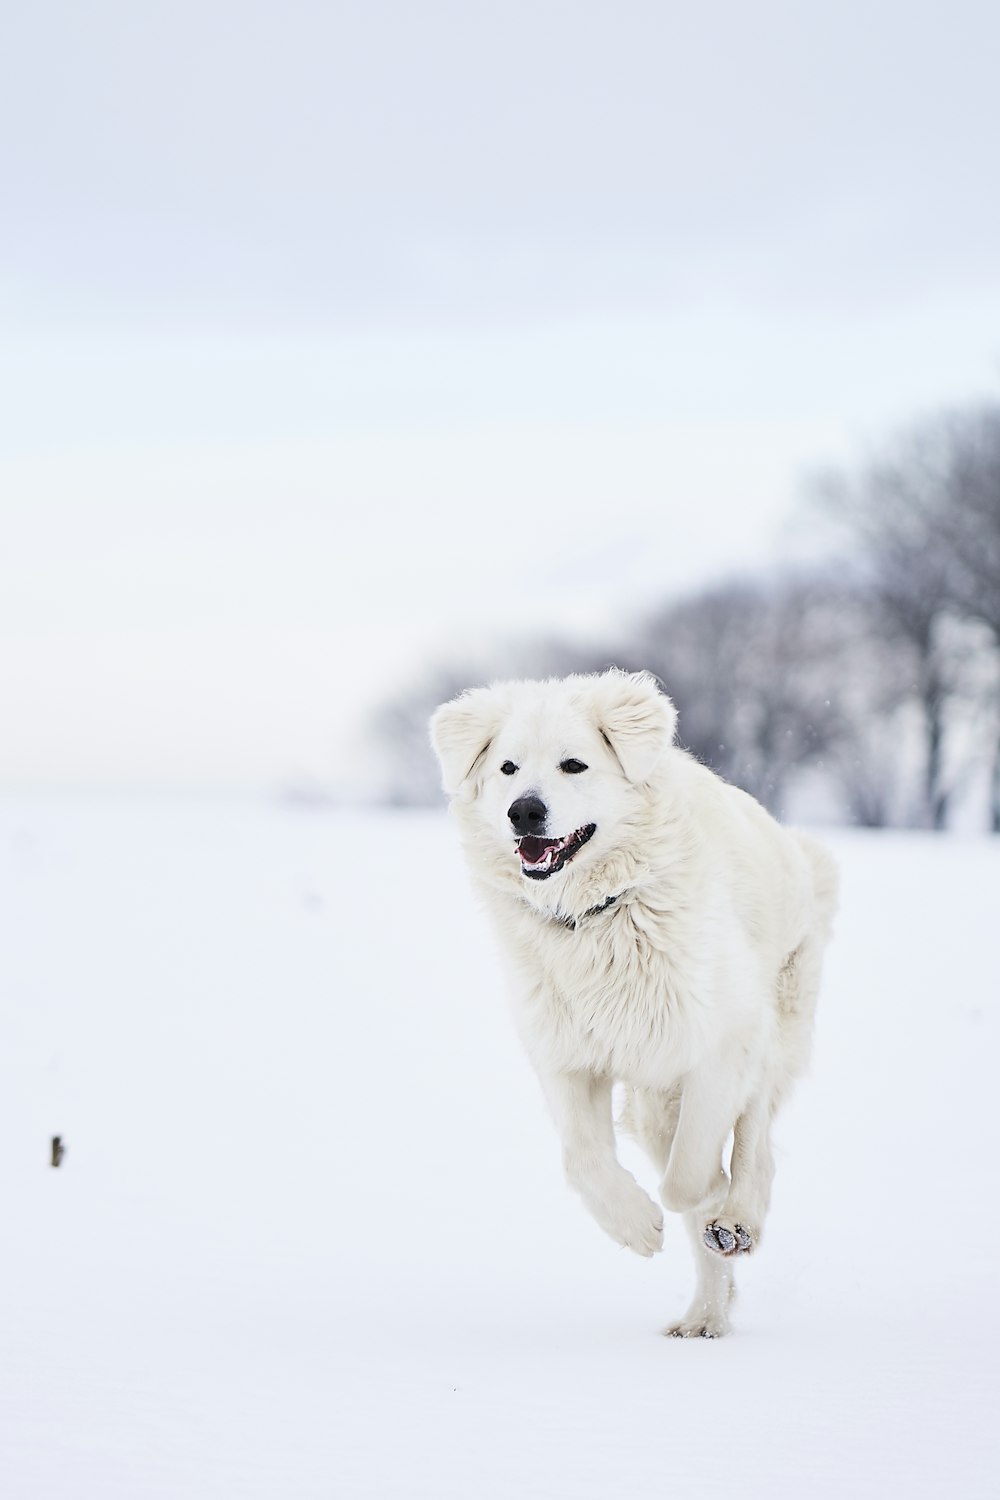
(334,335)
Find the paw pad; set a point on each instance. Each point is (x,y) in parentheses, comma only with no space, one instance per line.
(726,1241)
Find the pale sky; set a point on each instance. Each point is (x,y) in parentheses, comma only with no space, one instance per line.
(336,336)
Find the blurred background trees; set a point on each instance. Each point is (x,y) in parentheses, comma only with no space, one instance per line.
(865,690)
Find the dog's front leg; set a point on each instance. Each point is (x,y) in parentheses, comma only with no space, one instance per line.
(581,1104)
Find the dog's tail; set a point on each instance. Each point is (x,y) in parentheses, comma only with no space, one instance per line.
(825,881)
(798,981)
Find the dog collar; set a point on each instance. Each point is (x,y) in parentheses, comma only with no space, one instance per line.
(572,923)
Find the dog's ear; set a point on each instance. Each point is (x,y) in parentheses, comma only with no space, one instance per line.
(636,718)
(461,733)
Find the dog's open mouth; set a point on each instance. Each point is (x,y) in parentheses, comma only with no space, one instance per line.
(541,858)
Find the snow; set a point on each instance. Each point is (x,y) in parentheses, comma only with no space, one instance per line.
(267,1268)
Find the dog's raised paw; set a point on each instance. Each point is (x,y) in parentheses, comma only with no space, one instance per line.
(633,1219)
(728,1238)
(642,1229)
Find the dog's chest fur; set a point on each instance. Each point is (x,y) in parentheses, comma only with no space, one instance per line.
(620,995)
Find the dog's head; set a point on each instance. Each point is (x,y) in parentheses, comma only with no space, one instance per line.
(553,772)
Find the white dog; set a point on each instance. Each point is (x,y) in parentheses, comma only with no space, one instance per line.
(664,932)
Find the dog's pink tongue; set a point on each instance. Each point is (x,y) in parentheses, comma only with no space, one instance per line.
(531,847)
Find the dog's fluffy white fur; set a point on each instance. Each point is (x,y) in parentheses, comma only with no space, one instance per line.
(676,951)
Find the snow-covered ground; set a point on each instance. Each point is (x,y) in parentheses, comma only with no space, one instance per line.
(268,1269)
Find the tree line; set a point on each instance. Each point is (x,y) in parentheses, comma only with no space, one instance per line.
(863,690)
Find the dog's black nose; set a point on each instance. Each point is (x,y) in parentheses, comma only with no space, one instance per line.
(528,815)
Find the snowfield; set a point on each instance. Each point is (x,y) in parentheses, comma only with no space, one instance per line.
(265,1269)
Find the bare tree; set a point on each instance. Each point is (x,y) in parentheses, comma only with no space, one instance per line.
(927,517)
(880,679)
(964,527)
(872,758)
(744,663)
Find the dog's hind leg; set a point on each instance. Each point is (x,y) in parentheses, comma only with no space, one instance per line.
(740,1222)
(708,1315)
(650,1117)
(738,1226)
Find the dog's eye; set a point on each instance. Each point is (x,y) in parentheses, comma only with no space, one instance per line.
(572,767)
(508,768)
